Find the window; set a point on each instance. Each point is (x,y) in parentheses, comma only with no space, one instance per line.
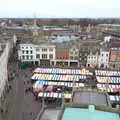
(31,52)
(23,51)
(30,47)
(31,57)
(83,54)
(37,55)
(50,49)
(23,57)
(22,47)
(71,57)
(26,47)
(107,54)
(27,57)
(37,49)
(44,49)
(76,53)
(102,54)
(44,56)
(27,51)
(51,56)
(76,57)
(71,52)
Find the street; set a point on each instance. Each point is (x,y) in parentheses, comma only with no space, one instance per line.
(22,106)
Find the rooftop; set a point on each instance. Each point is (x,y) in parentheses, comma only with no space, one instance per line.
(63,46)
(105,47)
(90,98)
(88,114)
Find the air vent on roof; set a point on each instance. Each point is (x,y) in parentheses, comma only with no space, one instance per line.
(91,108)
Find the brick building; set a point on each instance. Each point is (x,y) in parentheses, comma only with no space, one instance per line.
(62,55)
(114,57)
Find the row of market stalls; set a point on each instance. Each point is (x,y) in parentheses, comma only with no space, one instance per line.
(108,87)
(63,71)
(54,95)
(54,77)
(107,73)
(58,83)
(108,79)
(66,84)
(114,98)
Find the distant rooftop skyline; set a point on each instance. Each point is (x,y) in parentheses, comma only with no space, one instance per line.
(60,8)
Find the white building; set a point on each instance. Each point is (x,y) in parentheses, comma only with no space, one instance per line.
(62,37)
(4,55)
(103,59)
(92,60)
(42,54)
(107,39)
(99,58)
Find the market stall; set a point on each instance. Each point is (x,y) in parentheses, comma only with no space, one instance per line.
(107,73)
(108,79)
(53,77)
(108,87)
(114,98)
(62,71)
(54,95)
(66,84)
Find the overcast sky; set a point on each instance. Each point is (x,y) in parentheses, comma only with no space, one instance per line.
(60,8)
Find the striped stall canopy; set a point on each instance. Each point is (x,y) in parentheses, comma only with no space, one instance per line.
(107,73)
(108,79)
(108,87)
(55,95)
(66,84)
(114,98)
(53,77)
(62,71)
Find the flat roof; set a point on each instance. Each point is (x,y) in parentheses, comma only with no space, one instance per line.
(86,114)
(86,97)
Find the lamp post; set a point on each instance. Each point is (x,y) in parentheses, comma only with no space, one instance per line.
(43,102)
(62,101)
(73,88)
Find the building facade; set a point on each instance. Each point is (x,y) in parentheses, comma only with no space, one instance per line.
(103,60)
(41,55)
(83,53)
(114,59)
(74,55)
(92,60)
(4,55)
(62,55)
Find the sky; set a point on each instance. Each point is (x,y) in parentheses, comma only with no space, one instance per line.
(60,8)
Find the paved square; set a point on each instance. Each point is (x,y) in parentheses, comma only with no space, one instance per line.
(50,114)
